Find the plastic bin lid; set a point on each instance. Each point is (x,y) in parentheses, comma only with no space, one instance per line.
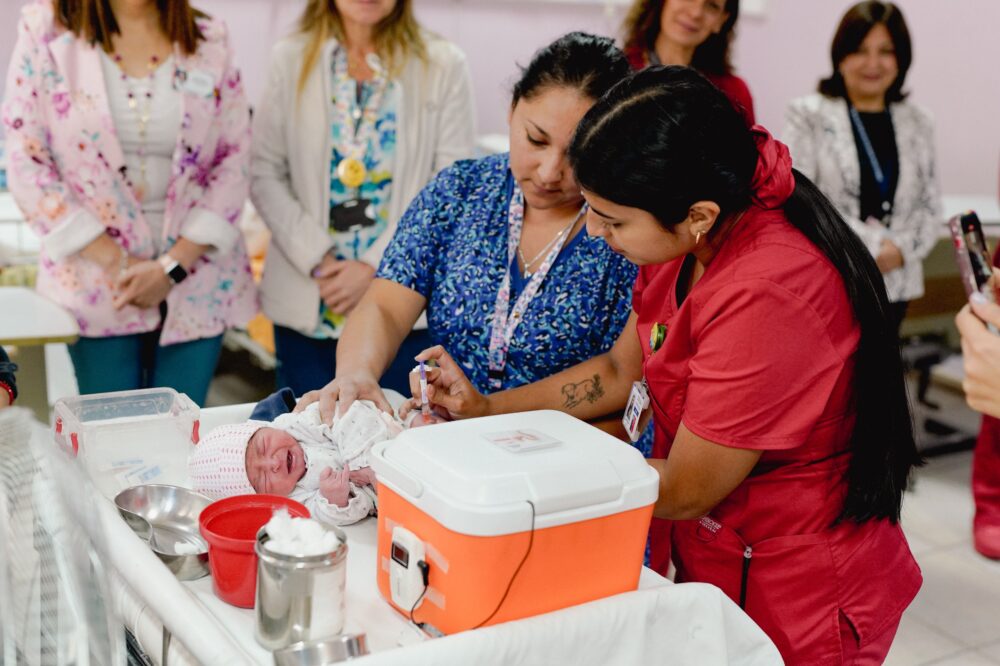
(476,476)
(137,405)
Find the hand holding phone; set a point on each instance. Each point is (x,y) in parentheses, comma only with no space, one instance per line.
(980,356)
(973,257)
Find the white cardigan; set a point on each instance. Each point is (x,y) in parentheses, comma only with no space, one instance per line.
(819,135)
(290,171)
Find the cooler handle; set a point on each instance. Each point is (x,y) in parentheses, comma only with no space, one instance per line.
(388,473)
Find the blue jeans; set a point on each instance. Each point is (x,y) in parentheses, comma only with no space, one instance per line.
(305,363)
(127,362)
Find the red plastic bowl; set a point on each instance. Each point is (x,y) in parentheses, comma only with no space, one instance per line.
(230,527)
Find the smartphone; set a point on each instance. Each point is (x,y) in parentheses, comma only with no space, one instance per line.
(973,256)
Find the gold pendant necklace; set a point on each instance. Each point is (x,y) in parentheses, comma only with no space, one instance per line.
(351,172)
(555,239)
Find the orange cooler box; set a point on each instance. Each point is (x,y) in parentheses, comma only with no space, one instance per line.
(456,496)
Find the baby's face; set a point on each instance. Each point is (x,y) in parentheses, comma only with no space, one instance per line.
(275,462)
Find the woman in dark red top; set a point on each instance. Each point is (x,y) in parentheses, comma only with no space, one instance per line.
(760,336)
(979,350)
(694,33)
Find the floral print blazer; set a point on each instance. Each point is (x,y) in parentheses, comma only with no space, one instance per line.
(65,163)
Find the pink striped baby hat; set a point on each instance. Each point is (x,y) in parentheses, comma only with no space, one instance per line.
(218,465)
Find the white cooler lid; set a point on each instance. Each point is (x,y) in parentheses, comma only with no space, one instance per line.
(475,476)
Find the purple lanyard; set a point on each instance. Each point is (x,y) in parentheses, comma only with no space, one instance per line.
(506,320)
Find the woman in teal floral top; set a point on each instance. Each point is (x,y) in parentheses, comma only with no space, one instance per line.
(362,109)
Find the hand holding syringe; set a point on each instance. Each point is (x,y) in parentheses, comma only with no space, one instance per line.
(419,386)
(446,392)
(425,405)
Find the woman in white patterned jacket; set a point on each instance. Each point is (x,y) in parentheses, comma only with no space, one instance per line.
(871,151)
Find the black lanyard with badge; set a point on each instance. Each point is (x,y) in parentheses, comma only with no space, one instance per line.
(352,215)
(881,177)
(638,399)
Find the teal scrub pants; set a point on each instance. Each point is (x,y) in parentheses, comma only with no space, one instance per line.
(126,362)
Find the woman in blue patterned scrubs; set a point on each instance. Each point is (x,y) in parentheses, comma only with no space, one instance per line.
(501,239)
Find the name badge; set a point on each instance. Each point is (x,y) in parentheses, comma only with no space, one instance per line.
(197,82)
(638,402)
(352,215)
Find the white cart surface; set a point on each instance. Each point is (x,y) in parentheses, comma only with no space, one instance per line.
(185,623)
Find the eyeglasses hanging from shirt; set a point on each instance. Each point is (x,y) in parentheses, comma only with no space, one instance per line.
(876,142)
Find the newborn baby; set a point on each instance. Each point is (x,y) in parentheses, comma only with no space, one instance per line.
(325,467)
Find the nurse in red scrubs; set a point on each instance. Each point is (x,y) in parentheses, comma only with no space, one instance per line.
(759,333)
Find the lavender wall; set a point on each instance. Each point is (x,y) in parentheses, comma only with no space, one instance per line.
(954,74)
(780,53)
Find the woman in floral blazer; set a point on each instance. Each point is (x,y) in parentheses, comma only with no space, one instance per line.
(128,149)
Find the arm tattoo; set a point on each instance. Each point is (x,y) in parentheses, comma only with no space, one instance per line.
(589,390)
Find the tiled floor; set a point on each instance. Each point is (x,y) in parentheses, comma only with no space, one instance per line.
(238,379)
(955,619)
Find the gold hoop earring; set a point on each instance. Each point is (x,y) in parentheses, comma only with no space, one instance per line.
(697,237)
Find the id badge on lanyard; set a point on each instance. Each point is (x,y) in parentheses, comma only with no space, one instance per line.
(638,398)
(638,402)
(505,316)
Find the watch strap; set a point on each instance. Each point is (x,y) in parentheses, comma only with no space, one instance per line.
(173,269)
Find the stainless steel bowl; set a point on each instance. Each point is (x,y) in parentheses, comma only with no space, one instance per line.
(322,652)
(167,518)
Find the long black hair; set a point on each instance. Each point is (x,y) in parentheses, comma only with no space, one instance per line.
(586,63)
(666,138)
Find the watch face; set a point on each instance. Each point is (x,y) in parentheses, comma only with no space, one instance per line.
(177,274)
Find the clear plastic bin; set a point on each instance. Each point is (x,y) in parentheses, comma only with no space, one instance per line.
(129,438)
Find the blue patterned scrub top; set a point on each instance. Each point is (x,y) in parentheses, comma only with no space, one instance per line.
(379,158)
(451,247)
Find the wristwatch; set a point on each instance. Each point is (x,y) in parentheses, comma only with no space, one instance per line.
(173,269)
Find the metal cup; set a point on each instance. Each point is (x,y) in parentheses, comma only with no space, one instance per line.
(322,653)
(299,598)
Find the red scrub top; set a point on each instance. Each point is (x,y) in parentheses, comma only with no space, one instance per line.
(760,356)
(986,464)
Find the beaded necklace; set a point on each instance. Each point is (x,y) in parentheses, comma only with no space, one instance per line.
(140,102)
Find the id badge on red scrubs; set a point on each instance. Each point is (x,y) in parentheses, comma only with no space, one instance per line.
(638,402)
